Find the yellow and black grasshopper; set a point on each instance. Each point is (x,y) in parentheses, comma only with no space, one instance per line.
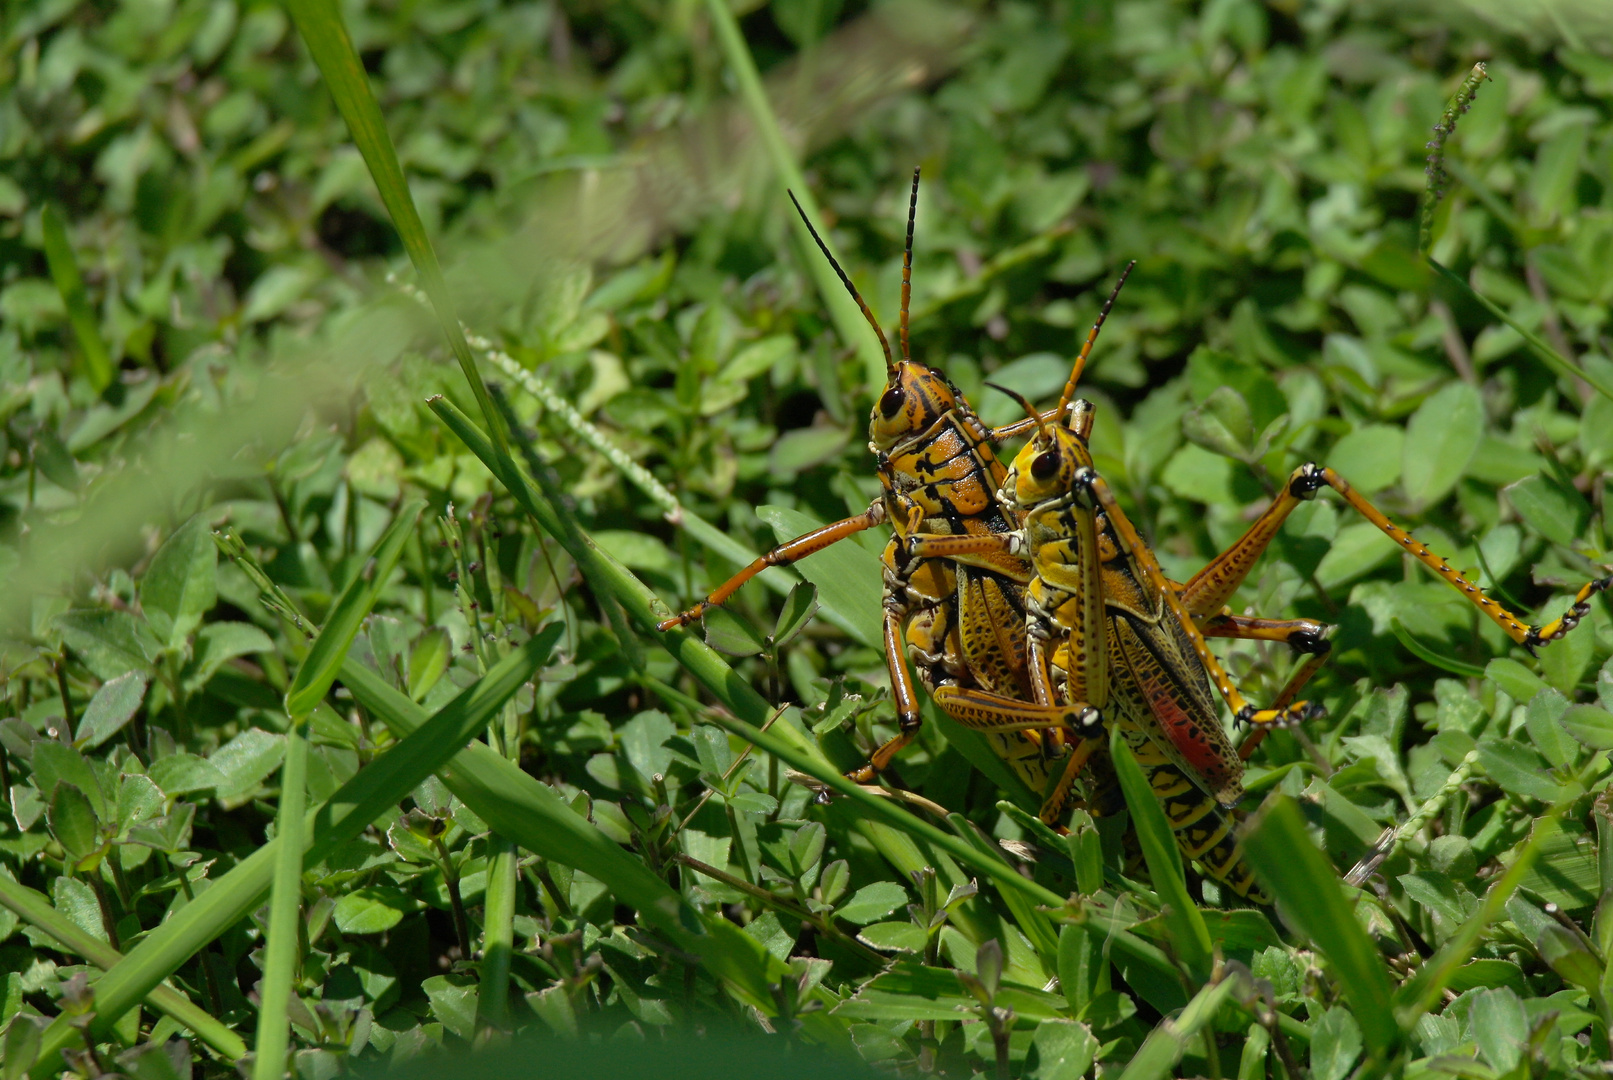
(960,621)
(1109,633)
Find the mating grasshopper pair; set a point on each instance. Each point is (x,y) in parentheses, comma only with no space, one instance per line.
(1034,611)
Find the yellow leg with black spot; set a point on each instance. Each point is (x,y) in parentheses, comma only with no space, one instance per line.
(1302,635)
(1211,587)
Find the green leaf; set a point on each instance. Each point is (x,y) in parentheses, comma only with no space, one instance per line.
(1189,935)
(894,937)
(1519,682)
(70,283)
(1065,1050)
(799,607)
(1312,901)
(1554,510)
(219,642)
(246,760)
(1518,770)
(318,669)
(1541,718)
(73,823)
(1335,1044)
(372,910)
(428,660)
(1441,438)
(1222,424)
(377,788)
(181,584)
(1591,725)
(873,902)
(730,634)
(453,1001)
(182,774)
(1500,1027)
(57,763)
(21,1046)
(1156,1059)
(139,799)
(110,643)
(113,706)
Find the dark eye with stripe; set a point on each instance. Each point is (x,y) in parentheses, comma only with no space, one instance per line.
(891,402)
(1046,465)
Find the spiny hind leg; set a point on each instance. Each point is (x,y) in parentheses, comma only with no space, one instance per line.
(1211,587)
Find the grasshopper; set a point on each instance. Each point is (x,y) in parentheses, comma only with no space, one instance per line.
(1104,621)
(961,620)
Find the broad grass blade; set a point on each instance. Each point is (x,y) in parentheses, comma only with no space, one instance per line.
(377,787)
(1313,902)
(320,24)
(318,669)
(282,942)
(38,910)
(1189,935)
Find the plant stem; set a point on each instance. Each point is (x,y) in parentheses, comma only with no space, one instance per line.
(498,937)
(282,942)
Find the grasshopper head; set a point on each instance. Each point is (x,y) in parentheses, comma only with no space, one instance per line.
(1045,469)
(915,397)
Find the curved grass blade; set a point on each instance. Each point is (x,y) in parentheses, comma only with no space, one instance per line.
(318,669)
(1429,656)
(1183,921)
(1550,356)
(70,283)
(320,24)
(354,806)
(1304,883)
(282,944)
(35,908)
(1163,1048)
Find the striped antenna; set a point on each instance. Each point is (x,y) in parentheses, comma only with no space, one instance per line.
(907,261)
(1081,361)
(890,364)
(1030,409)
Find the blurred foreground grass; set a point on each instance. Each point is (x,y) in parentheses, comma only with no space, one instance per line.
(612,227)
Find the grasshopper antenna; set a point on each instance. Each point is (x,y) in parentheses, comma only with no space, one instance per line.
(907,261)
(1041,429)
(890,364)
(1081,361)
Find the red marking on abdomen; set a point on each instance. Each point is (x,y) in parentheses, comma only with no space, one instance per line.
(1185,732)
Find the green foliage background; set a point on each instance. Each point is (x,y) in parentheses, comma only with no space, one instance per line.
(208,322)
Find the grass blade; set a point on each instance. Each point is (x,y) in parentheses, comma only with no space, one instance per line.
(848,319)
(1183,921)
(282,944)
(320,24)
(533,815)
(35,908)
(318,669)
(348,812)
(1429,656)
(1163,1048)
(1313,902)
(498,936)
(70,283)
(1551,357)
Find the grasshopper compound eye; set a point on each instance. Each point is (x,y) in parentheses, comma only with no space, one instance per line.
(891,402)
(1046,465)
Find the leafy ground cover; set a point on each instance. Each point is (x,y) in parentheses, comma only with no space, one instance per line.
(268,548)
